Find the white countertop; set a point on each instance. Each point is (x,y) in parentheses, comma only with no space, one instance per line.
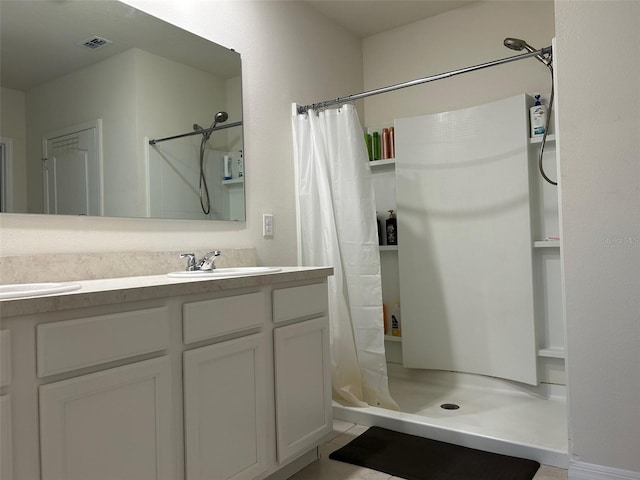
(129,289)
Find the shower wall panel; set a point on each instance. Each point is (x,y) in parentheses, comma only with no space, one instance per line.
(465,241)
(174,174)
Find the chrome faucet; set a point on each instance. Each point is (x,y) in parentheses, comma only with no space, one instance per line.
(206,263)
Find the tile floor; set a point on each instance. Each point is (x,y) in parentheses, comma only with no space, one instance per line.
(343,433)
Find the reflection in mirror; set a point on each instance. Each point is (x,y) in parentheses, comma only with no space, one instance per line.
(88,86)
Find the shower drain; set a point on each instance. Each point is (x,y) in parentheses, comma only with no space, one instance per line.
(450,406)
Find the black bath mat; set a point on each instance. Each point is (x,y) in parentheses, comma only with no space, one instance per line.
(417,458)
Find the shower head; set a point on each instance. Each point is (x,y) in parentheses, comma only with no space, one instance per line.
(219,118)
(518,44)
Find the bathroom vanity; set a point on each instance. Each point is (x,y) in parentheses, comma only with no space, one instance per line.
(163,378)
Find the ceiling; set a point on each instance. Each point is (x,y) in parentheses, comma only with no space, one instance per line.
(368,17)
(40,40)
(39,37)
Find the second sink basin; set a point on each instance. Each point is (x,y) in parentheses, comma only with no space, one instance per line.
(35,289)
(224,272)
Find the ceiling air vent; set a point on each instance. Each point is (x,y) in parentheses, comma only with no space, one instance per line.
(95,42)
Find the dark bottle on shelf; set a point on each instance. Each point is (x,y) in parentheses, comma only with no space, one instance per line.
(392,229)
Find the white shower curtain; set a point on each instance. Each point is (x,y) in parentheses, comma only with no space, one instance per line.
(337,227)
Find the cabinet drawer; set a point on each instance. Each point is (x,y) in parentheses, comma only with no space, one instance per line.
(73,344)
(5,357)
(221,316)
(298,302)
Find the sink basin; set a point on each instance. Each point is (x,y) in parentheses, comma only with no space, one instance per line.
(35,289)
(224,272)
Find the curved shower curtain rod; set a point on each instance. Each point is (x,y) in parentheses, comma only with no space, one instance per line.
(350,98)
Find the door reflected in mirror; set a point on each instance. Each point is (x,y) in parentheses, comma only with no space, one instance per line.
(81,104)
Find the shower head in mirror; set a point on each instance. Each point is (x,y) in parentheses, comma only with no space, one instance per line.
(219,118)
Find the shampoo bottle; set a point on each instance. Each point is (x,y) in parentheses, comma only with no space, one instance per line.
(227,167)
(395,320)
(392,229)
(376,145)
(538,118)
(385,143)
(368,140)
(384,318)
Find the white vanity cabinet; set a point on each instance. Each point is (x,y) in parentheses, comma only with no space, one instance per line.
(91,423)
(225,389)
(221,381)
(225,410)
(6,442)
(111,424)
(302,368)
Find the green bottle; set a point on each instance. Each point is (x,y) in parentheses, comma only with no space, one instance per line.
(376,146)
(369,142)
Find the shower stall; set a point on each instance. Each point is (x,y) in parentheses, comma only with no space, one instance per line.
(477,276)
(199,174)
(477,271)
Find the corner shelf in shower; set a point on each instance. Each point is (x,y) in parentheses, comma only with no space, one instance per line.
(388,248)
(551,352)
(381,163)
(233,181)
(550,138)
(391,338)
(546,244)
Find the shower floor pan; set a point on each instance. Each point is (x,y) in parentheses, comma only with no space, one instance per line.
(494,415)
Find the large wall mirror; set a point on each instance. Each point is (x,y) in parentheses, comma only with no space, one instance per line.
(90,92)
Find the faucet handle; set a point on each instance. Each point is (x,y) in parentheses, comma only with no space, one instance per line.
(191,261)
(208,260)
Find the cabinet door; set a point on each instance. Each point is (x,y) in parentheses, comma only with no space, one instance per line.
(225,410)
(114,424)
(6,443)
(303,386)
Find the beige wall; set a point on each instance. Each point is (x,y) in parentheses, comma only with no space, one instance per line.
(460,38)
(290,53)
(598,46)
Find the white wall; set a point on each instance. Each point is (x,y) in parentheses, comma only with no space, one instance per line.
(184,96)
(105,90)
(290,53)
(598,46)
(124,92)
(459,38)
(13,125)
(234,135)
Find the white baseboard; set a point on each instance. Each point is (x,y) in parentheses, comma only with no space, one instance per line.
(588,471)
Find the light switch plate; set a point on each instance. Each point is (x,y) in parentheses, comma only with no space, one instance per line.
(267,225)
